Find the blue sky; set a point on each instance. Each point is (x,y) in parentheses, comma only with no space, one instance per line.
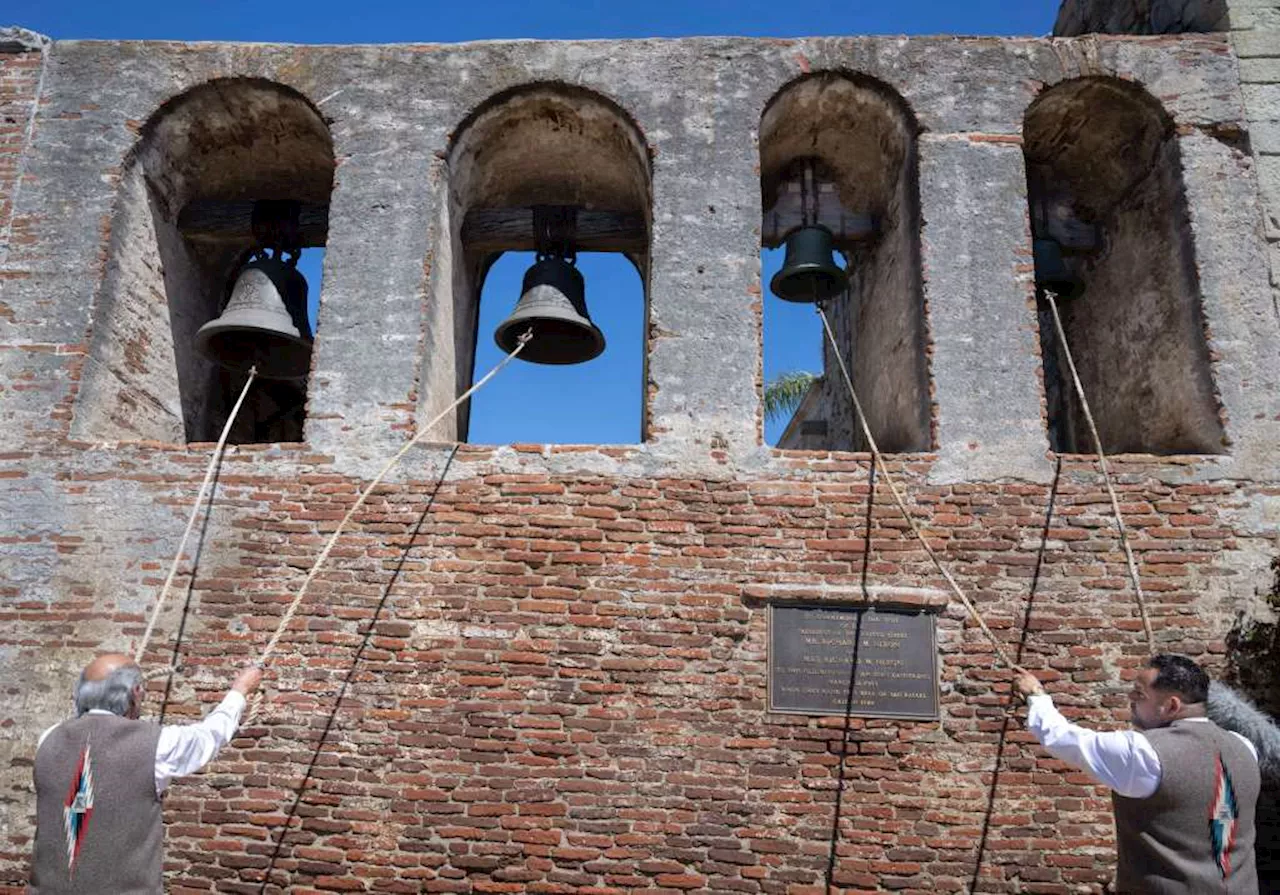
(325,21)
(597,402)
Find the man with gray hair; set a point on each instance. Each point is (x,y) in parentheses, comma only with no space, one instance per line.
(100,778)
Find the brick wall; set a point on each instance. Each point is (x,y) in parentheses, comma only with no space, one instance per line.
(565,687)
(555,666)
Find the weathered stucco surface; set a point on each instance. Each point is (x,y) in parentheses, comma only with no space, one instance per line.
(1145,16)
(557,657)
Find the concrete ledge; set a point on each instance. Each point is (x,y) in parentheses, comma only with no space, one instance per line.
(924,598)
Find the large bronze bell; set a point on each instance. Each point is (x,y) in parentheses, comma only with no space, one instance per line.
(264,323)
(1052,274)
(809,273)
(553,305)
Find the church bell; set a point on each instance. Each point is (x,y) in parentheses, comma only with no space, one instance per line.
(1052,274)
(553,305)
(264,323)
(809,273)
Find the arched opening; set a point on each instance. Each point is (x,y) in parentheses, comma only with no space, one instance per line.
(1113,243)
(596,402)
(184,226)
(839,151)
(561,172)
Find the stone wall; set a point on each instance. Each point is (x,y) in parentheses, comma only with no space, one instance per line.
(1135,328)
(1254,30)
(552,660)
(22,67)
(1145,16)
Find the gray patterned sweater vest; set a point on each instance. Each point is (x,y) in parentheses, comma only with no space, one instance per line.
(98,824)
(1195,834)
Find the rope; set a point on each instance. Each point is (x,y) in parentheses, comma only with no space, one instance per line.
(878,459)
(349,680)
(1106,475)
(191,522)
(333,539)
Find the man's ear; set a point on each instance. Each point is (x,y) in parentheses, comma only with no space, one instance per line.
(1174,704)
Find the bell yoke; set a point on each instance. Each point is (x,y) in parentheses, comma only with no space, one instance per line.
(264,323)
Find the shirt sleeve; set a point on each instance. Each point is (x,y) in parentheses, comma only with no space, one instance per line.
(186,748)
(1123,760)
(1253,750)
(48,730)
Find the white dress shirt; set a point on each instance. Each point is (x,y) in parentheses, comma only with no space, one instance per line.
(185,748)
(1123,760)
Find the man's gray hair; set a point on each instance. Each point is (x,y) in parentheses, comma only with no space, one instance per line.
(113,693)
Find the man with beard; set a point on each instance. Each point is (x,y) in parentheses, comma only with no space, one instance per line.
(1184,790)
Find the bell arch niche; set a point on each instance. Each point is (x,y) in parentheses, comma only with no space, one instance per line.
(1112,240)
(540,162)
(207,164)
(839,150)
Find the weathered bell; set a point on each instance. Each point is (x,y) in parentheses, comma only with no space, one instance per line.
(264,323)
(809,273)
(1052,273)
(554,306)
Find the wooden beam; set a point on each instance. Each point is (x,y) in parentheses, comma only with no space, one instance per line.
(846,225)
(1056,218)
(211,220)
(1053,213)
(511,230)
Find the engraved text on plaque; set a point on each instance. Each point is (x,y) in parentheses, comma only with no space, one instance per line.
(871,663)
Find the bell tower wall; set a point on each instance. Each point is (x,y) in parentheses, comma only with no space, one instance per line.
(547,666)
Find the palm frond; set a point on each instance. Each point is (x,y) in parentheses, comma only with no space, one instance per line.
(783,394)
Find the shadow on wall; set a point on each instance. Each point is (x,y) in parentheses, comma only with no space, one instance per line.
(1104,176)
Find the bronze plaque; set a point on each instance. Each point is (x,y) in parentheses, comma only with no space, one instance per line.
(868,663)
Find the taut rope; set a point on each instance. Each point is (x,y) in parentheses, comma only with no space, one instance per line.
(878,459)
(191,521)
(377,480)
(1106,475)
